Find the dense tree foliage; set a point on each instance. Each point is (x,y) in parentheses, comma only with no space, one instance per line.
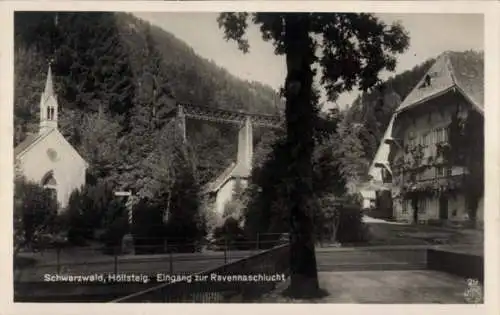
(117,78)
(350,50)
(336,162)
(231,235)
(89,210)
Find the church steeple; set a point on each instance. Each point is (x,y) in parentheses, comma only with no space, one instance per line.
(49,88)
(48,105)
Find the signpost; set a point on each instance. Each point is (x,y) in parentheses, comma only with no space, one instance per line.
(128,240)
(123,193)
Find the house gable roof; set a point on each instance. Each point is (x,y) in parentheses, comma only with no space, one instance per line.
(460,70)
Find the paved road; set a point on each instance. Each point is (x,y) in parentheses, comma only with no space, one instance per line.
(388,287)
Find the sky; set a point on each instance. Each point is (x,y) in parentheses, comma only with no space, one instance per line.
(430,35)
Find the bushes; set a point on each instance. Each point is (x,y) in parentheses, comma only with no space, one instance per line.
(35,210)
(115,226)
(230,234)
(340,220)
(186,225)
(148,228)
(87,212)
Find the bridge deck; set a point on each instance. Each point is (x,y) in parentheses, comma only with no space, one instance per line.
(230,116)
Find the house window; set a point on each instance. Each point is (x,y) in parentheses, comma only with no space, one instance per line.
(422,205)
(439,171)
(440,135)
(426,82)
(427,144)
(426,139)
(404,207)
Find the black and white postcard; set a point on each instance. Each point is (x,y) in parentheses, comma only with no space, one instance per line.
(338,153)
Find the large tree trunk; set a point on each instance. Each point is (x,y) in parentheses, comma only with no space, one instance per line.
(300,143)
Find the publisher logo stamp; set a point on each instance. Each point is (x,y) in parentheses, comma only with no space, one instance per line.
(474,292)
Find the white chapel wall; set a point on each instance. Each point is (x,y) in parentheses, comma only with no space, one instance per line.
(68,168)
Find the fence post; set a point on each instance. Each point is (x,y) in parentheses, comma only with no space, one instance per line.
(171,262)
(116,264)
(225,251)
(58,259)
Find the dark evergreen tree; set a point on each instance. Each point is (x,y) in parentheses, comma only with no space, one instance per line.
(185,225)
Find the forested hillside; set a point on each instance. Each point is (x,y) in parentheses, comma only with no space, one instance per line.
(372,111)
(116,78)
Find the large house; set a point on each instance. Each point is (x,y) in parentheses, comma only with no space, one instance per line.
(419,155)
(47,157)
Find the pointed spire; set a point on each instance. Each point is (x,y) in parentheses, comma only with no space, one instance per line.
(49,86)
(48,105)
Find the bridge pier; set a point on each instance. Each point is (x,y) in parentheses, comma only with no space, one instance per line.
(245,150)
(181,121)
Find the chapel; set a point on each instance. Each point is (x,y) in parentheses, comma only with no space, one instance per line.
(47,157)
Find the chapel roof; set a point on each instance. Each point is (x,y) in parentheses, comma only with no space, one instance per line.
(461,70)
(28,141)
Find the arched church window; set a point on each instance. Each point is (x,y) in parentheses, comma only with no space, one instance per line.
(50,183)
